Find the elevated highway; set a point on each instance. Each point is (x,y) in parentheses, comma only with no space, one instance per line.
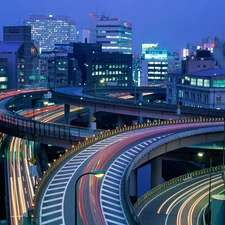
(45,133)
(182,200)
(75,96)
(116,152)
(146,141)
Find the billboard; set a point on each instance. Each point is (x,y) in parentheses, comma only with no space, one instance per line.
(156,54)
(148,46)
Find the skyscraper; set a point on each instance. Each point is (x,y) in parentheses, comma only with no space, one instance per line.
(154,64)
(50,30)
(114,34)
(22,58)
(97,68)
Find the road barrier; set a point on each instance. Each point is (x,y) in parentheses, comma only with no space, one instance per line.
(175,181)
(81,145)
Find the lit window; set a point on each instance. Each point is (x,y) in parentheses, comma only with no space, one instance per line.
(193,81)
(206,83)
(199,82)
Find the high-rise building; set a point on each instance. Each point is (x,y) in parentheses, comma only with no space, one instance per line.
(50,30)
(53,69)
(22,57)
(114,34)
(174,61)
(154,64)
(97,68)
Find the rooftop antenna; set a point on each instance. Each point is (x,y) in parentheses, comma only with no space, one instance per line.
(96,10)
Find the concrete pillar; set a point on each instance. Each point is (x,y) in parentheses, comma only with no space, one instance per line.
(90,116)
(133,185)
(140,119)
(67,113)
(120,122)
(156,171)
(43,157)
(140,97)
(217,210)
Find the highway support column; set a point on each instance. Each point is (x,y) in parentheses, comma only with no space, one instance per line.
(140,119)
(43,157)
(217,210)
(156,171)
(133,185)
(120,122)
(91,117)
(140,98)
(67,114)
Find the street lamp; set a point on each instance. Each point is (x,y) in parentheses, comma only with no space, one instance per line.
(96,173)
(200,154)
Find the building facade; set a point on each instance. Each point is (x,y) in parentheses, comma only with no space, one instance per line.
(199,84)
(174,61)
(114,34)
(3,74)
(154,64)
(53,69)
(22,57)
(50,30)
(99,68)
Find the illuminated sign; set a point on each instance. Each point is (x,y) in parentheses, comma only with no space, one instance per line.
(148,46)
(185,52)
(156,54)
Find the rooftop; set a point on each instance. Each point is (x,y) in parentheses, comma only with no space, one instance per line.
(206,73)
(209,72)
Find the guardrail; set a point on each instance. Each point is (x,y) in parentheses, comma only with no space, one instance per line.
(89,141)
(175,181)
(35,127)
(91,100)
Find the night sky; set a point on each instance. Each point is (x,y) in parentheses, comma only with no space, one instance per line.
(171,23)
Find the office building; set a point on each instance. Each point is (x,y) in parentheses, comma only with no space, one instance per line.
(199,84)
(174,61)
(114,34)
(154,64)
(99,68)
(84,35)
(3,74)
(22,57)
(53,69)
(136,69)
(50,30)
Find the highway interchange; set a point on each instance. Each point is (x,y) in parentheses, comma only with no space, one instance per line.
(99,202)
(99,199)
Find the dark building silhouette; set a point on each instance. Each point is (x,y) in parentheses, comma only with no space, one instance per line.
(99,68)
(21,55)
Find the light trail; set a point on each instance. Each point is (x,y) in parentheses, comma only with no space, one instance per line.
(19,181)
(191,210)
(179,215)
(172,196)
(202,182)
(15,195)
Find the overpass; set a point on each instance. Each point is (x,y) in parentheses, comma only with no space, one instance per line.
(75,96)
(28,129)
(46,133)
(140,140)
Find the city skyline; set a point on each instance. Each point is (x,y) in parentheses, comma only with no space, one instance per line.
(170,23)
